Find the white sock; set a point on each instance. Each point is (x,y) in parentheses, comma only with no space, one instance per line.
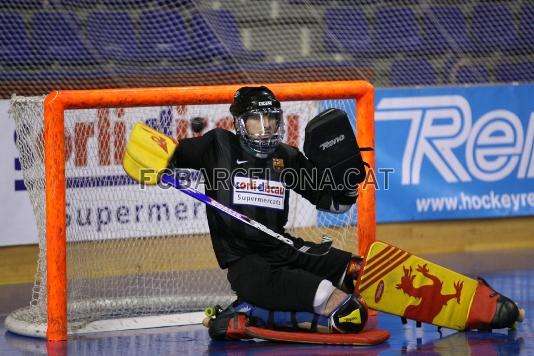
(324,291)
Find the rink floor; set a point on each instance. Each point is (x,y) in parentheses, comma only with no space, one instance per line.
(515,280)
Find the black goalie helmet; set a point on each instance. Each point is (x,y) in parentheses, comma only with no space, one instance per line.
(258,119)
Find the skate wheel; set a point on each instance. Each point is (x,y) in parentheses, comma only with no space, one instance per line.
(521,316)
(206,322)
(210,312)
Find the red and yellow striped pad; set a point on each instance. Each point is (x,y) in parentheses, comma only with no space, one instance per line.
(397,282)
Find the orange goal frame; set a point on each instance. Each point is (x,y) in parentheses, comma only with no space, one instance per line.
(54,133)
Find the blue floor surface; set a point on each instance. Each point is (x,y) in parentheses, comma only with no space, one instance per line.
(405,339)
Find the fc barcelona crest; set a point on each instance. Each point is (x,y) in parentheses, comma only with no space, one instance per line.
(278,164)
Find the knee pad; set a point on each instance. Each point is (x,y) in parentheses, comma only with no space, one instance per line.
(350,316)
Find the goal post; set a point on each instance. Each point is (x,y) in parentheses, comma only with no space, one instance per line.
(55,142)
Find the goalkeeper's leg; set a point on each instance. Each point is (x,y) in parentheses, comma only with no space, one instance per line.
(284,280)
(348,316)
(280,288)
(347,313)
(418,289)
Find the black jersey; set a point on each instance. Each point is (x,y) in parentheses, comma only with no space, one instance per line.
(253,186)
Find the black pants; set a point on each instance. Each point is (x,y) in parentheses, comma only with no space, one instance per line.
(271,282)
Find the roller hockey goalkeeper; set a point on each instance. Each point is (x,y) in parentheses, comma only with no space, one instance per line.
(327,147)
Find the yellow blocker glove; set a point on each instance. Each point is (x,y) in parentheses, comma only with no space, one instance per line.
(148,153)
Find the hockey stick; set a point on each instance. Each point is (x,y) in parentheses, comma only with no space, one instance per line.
(306,247)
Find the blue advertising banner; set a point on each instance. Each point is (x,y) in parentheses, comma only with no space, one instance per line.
(454,153)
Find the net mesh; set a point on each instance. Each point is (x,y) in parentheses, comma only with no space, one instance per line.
(135,252)
(66,44)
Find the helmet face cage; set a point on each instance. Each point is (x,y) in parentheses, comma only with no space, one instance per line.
(269,131)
